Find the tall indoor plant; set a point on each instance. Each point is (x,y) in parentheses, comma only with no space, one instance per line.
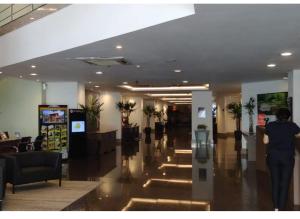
(236,110)
(148,111)
(126,108)
(250,106)
(92,110)
(159,126)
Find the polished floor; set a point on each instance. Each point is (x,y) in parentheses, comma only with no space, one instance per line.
(170,173)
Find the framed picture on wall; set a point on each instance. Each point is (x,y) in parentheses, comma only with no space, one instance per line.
(268,104)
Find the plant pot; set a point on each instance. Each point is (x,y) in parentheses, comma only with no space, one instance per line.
(159,127)
(148,131)
(238,135)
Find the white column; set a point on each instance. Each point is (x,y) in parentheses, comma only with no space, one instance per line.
(202,99)
(65,93)
(294,91)
(110,117)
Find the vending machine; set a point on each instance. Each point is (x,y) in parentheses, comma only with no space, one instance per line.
(53,124)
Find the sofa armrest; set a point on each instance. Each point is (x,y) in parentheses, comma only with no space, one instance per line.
(12,168)
(54,159)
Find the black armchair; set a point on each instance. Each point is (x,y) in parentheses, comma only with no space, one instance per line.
(29,167)
(2,181)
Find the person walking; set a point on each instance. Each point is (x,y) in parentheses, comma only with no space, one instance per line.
(279,136)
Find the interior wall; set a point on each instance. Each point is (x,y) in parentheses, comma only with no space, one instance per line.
(65,93)
(19,106)
(251,90)
(202,99)
(110,116)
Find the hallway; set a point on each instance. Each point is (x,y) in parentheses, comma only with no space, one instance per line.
(156,174)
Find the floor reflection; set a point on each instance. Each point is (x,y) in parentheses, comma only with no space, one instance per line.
(169,172)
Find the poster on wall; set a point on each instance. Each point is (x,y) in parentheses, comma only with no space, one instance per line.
(267,105)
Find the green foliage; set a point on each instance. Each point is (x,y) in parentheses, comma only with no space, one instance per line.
(158,114)
(126,107)
(148,111)
(92,108)
(235,109)
(250,105)
(201,126)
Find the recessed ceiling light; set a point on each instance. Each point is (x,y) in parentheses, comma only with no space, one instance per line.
(119,47)
(138,66)
(285,78)
(33,66)
(271,65)
(125,82)
(89,82)
(33,74)
(32,18)
(1,72)
(286,54)
(177,70)
(20,76)
(96,86)
(185,82)
(99,73)
(176,98)
(52,9)
(37,80)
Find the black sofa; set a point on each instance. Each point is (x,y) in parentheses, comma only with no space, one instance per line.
(29,167)
(2,181)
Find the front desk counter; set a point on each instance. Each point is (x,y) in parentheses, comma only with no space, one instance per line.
(261,149)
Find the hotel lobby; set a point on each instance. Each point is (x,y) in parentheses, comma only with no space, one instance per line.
(144,107)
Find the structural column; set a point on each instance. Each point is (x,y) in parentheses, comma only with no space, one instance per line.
(294,92)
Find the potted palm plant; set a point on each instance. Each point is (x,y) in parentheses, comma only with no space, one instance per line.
(148,111)
(92,110)
(249,106)
(159,127)
(236,110)
(126,108)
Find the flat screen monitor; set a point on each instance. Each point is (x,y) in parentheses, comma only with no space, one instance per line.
(78,126)
(53,116)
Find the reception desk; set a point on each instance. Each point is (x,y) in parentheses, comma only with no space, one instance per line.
(261,149)
(101,142)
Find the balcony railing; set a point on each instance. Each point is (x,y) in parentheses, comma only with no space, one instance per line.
(11,12)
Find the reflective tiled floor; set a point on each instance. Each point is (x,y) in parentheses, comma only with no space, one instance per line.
(171,173)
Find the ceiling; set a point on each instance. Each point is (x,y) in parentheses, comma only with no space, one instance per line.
(222,45)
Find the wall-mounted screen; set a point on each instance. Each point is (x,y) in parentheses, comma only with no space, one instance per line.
(78,126)
(53,116)
(268,104)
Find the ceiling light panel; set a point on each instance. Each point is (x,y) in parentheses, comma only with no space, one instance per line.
(170,88)
(171,95)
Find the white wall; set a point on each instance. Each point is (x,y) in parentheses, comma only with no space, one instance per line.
(226,124)
(294,91)
(65,93)
(110,117)
(251,90)
(81,24)
(19,100)
(202,99)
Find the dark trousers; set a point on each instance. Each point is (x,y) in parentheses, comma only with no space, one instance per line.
(281,165)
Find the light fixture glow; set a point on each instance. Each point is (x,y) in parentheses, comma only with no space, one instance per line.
(32,18)
(33,74)
(176,98)
(177,70)
(182,151)
(180,101)
(1,72)
(99,73)
(37,80)
(33,66)
(185,82)
(271,65)
(20,76)
(138,66)
(125,82)
(183,103)
(171,95)
(285,78)
(96,86)
(166,201)
(185,166)
(176,181)
(170,88)
(286,54)
(89,82)
(119,47)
